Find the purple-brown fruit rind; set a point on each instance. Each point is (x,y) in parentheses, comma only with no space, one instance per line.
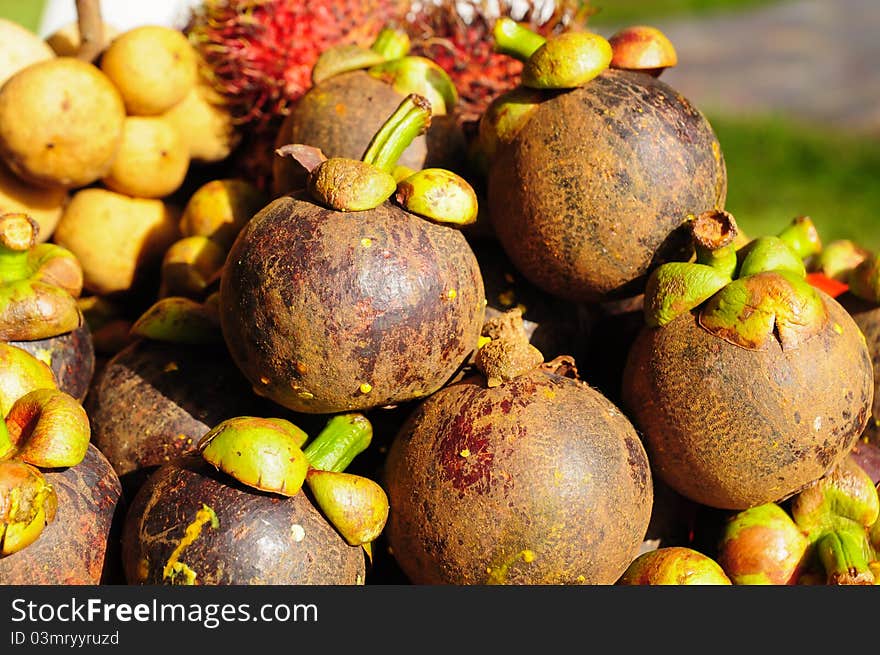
(538,481)
(585,198)
(724,436)
(190,524)
(78,547)
(324,312)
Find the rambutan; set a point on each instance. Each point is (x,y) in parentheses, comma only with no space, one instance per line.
(259,53)
(457,35)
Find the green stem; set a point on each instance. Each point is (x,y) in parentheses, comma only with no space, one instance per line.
(14,266)
(391,43)
(713,233)
(18,234)
(843,556)
(515,40)
(409,120)
(343,438)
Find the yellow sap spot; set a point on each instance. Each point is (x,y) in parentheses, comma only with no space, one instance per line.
(528,556)
(465,453)
(170,367)
(44,355)
(366,242)
(306,395)
(180,574)
(716,150)
(581,579)
(264,380)
(452,294)
(548,393)
(482,341)
(297,532)
(301,368)
(365,387)
(173,567)
(837,328)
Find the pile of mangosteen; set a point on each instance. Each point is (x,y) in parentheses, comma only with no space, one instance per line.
(533,350)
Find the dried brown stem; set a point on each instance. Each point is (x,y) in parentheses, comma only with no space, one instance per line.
(91,29)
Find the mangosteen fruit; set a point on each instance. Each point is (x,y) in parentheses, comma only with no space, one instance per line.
(79,546)
(353,91)
(592,170)
(338,298)
(155,398)
(861,275)
(521,474)
(58,494)
(746,382)
(253,506)
(39,287)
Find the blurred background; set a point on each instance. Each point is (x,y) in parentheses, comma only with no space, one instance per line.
(788,85)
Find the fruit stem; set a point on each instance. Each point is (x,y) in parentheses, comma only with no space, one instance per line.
(515,40)
(713,233)
(411,118)
(91,29)
(18,234)
(391,43)
(343,438)
(842,554)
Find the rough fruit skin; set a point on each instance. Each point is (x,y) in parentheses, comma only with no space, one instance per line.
(153,401)
(867,317)
(71,356)
(538,481)
(79,546)
(598,179)
(340,116)
(260,538)
(327,311)
(733,428)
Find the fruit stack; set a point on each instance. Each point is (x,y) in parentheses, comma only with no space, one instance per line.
(449,298)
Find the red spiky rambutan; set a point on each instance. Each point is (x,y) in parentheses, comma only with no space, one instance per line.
(457,35)
(259,53)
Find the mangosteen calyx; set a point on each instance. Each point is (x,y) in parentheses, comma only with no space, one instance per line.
(388,59)
(748,297)
(838,512)
(39,283)
(351,185)
(506,352)
(178,319)
(562,61)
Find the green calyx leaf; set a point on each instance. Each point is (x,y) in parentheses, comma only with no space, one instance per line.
(342,59)
(676,288)
(438,195)
(349,185)
(48,428)
(567,61)
(355,505)
(769,253)
(27,505)
(419,75)
(505,117)
(177,319)
(261,453)
(754,311)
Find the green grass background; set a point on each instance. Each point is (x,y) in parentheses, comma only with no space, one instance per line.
(777,168)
